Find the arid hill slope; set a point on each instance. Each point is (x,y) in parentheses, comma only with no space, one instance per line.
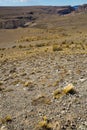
(13,17)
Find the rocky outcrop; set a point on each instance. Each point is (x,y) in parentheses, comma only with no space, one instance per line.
(10,24)
(82,8)
(18,21)
(65,10)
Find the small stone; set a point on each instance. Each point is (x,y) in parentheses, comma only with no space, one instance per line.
(62,112)
(82,79)
(3,128)
(25,89)
(13,70)
(17,85)
(82,127)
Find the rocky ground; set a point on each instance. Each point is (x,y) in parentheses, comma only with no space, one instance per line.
(43,69)
(27,89)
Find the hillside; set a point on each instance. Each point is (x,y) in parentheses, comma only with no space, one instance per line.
(13,17)
(43,68)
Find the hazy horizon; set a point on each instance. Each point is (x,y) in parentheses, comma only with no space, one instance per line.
(41,2)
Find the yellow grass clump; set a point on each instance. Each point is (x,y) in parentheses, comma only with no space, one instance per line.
(57,48)
(68,89)
(6,119)
(44,124)
(27,83)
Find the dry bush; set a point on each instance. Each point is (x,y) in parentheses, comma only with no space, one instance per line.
(45,124)
(6,119)
(57,48)
(61,92)
(40,45)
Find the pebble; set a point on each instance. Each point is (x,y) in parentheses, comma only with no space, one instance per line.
(3,128)
(17,85)
(83,80)
(82,127)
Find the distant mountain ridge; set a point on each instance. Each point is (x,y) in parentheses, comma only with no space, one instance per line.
(13,17)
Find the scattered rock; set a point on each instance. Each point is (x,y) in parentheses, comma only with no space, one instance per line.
(28,107)
(83,126)
(3,128)
(13,70)
(82,79)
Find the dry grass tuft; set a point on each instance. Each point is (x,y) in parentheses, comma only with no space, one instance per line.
(28,84)
(68,89)
(57,48)
(57,94)
(44,124)
(6,119)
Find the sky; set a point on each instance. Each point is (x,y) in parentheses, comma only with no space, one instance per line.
(41,2)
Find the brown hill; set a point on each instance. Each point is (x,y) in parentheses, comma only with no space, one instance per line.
(13,17)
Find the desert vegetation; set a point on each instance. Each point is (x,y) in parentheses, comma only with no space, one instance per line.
(43,70)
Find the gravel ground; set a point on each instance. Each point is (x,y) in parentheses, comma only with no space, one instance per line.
(27,87)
